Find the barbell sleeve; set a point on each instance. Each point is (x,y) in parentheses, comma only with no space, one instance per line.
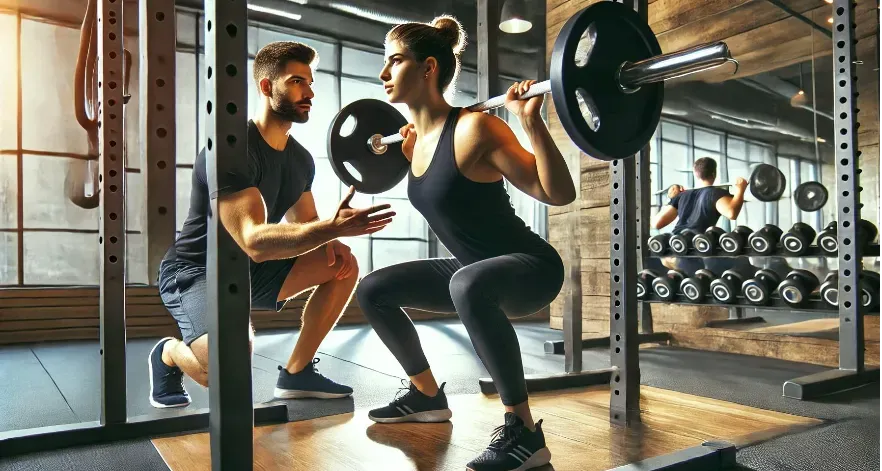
(631,77)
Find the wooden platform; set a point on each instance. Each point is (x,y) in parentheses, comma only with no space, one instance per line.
(577,431)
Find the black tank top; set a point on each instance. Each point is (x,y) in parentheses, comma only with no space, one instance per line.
(475,221)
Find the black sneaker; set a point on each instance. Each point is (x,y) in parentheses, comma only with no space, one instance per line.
(166,382)
(514,448)
(308,383)
(413,406)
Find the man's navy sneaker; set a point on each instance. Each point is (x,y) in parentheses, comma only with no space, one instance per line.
(166,382)
(513,448)
(308,383)
(413,406)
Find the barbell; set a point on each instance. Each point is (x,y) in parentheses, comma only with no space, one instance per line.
(606,82)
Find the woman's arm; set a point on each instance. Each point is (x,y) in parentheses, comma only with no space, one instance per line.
(544,175)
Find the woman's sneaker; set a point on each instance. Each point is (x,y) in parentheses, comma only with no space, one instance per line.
(413,406)
(513,448)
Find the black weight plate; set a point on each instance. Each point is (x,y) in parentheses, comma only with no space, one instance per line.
(587,55)
(767,183)
(378,173)
(810,196)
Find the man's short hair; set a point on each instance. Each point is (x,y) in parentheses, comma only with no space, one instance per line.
(705,168)
(272,59)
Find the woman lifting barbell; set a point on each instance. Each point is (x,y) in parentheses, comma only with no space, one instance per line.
(500,267)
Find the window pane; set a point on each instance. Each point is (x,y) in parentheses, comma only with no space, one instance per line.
(675,168)
(326,189)
(407,223)
(8,83)
(674,132)
(45,205)
(54,258)
(654,148)
(706,140)
(186,29)
(467,84)
(8,258)
(386,253)
(738,168)
(136,199)
(314,133)
(807,172)
(49,55)
(136,259)
(737,148)
(760,153)
(182,206)
(362,64)
(8,192)
(186,108)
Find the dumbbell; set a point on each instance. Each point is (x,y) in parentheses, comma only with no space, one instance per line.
(830,289)
(765,240)
(733,243)
(866,233)
(798,239)
(707,242)
(682,242)
(797,286)
(758,289)
(695,287)
(827,241)
(725,289)
(665,287)
(644,282)
(869,285)
(659,243)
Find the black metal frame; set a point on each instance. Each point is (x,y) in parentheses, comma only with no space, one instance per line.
(852,372)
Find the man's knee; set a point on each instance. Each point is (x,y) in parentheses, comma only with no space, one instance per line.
(199,347)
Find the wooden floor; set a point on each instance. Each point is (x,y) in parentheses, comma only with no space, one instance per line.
(576,426)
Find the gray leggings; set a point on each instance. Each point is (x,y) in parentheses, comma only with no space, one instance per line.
(484,294)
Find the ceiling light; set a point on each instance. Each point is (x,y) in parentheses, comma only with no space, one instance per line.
(513,18)
(303,2)
(830,20)
(273,11)
(369,14)
(821,139)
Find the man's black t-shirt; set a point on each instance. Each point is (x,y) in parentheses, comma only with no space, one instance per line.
(697,208)
(281,176)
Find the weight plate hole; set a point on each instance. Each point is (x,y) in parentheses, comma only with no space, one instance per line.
(588,109)
(586,45)
(352,171)
(348,126)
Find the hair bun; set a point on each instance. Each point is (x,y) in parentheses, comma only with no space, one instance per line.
(452,30)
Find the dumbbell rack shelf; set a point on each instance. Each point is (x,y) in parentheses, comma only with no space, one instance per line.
(812,252)
(814,304)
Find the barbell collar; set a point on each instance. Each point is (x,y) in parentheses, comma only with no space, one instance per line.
(631,77)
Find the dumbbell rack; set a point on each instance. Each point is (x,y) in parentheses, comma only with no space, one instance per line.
(852,371)
(812,252)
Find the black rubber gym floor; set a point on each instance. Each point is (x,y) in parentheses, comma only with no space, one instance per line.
(52,384)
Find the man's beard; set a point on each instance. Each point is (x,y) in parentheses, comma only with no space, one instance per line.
(286,110)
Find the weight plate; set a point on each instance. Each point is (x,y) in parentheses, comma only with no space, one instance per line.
(810,196)
(602,119)
(374,173)
(767,183)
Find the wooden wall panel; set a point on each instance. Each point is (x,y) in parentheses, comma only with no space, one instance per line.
(61,314)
